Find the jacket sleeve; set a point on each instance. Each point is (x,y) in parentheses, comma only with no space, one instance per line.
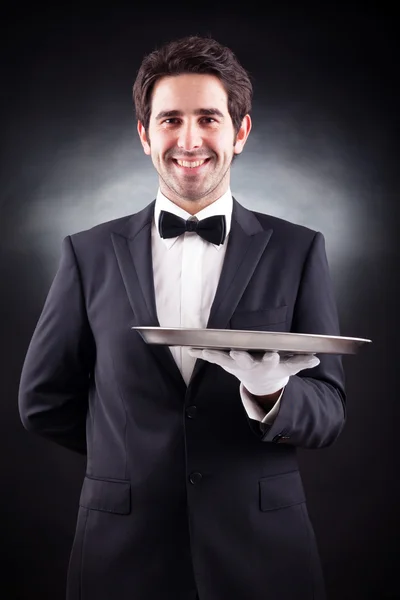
(312,407)
(55,378)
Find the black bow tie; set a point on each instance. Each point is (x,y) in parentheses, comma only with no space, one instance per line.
(212,229)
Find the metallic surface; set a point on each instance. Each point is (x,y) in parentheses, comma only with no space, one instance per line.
(228,339)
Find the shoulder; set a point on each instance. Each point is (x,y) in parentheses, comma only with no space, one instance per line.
(288,236)
(284,227)
(281,228)
(100,236)
(288,239)
(99,232)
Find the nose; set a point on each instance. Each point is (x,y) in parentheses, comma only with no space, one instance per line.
(189,137)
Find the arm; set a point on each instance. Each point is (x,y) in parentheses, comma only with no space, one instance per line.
(261,408)
(55,379)
(312,407)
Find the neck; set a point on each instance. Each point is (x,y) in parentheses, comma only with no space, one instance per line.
(193,206)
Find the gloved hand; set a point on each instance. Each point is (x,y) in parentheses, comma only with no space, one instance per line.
(260,377)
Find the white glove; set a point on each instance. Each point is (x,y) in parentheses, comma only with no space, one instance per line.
(260,377)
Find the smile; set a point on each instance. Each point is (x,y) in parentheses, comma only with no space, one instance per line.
(190,164)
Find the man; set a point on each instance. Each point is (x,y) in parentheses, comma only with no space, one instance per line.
(192,487)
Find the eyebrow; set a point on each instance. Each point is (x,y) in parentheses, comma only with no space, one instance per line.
(209,112)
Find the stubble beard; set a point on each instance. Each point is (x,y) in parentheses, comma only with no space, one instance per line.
(194,196)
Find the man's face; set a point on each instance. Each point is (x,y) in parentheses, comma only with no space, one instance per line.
(191,138)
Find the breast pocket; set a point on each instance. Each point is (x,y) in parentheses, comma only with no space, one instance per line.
(268,319)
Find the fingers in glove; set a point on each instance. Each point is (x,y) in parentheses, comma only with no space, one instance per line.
(302,361)
(271,359)
(243,359)
(218,357)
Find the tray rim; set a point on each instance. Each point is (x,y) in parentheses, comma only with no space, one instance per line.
(252,331)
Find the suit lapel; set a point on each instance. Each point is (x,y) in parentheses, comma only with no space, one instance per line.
(246,243)
(132,246)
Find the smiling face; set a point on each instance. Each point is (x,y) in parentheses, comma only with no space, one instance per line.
(191,139)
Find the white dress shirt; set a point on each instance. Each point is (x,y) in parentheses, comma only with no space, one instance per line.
(186,273)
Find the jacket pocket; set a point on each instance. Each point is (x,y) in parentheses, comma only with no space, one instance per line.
(281,491)
(248,319)
(107,495)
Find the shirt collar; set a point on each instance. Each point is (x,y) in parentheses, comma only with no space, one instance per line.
(222,206)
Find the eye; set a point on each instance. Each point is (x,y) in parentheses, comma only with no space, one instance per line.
(171,121)
(209,119)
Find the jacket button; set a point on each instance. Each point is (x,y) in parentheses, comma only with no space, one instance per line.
(278,437)
(195,478)
(191,412)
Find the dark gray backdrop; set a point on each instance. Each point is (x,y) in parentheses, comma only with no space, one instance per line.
(323,153)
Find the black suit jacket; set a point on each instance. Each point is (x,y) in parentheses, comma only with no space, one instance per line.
(183,491)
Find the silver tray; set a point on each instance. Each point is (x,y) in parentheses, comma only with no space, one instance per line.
(252,341)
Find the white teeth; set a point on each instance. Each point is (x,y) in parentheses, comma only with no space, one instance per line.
(192,164)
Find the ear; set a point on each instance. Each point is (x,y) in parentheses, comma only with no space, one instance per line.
(242,135)
(143,138)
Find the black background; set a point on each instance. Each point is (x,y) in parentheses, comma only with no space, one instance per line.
(323,152)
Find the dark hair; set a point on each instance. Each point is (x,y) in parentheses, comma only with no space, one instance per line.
(194,54)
